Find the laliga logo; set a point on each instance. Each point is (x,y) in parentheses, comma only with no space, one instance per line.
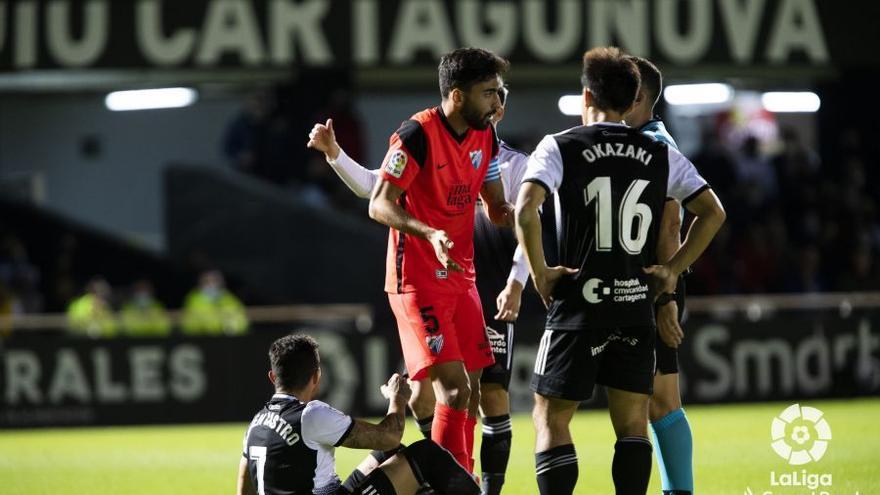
(800,434)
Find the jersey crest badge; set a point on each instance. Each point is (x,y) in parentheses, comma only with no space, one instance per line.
(435,343)
(476,158)
(396,164)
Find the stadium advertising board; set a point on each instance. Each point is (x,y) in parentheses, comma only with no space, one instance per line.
(209,34)
(80,382)
(745,357)
(67,382)
(787,356)
(804,355)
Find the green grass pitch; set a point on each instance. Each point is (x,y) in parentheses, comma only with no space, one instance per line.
(732,453)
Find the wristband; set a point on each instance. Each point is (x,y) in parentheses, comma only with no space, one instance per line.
(664,299)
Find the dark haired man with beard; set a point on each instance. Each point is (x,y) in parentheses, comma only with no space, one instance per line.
(501,273)
(437,165)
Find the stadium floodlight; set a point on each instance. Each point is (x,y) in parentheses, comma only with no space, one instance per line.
(571,104)
(148,99)
(782,102)
(698,94)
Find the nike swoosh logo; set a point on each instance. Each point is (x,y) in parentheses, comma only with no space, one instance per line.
(442,165)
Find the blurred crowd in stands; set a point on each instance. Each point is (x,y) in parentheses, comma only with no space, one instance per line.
(208,309)
(268,135)
(796,223)
(100,311)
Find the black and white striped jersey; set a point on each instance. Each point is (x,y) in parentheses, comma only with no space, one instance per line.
(610,184)
(289,447)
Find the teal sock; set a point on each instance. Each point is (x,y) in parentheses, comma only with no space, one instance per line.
(674,447)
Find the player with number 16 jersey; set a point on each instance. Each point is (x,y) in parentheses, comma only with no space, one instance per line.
(611,183)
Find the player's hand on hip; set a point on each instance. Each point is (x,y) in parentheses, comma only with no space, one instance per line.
(509,301)
(442,245)
(547,283)
(667,324)
(664,279)
(323,138)
(396,389)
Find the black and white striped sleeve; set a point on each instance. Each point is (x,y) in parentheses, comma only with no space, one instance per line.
(324,425)
(685,183)
(545,165)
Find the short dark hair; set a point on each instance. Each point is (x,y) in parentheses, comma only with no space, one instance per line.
(652,79)
(464,67)
(612,78)
(294,359)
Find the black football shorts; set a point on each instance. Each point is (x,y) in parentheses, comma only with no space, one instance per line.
(570,363)
(500,335)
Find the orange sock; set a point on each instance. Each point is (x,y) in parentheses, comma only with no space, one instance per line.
(469,426)
(448,431)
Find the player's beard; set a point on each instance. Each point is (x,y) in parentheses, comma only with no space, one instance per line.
(475,119)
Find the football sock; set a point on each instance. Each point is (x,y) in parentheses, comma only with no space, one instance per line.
(357,476)
(377,483)
(469,426)
(382,456)
(675,447)
(425,426)
(495,452)
(631,467)
(435,466)
(448,431)
(557,470)
(354,480)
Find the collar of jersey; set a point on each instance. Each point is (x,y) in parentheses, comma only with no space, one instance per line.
(458,138)
(655,120)
(284,396)
(616,124)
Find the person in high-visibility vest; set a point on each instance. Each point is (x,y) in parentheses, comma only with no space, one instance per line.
(7,309)
(143,315)
(92,315)
(210,309)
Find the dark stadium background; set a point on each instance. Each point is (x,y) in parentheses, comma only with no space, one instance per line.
(785,302)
